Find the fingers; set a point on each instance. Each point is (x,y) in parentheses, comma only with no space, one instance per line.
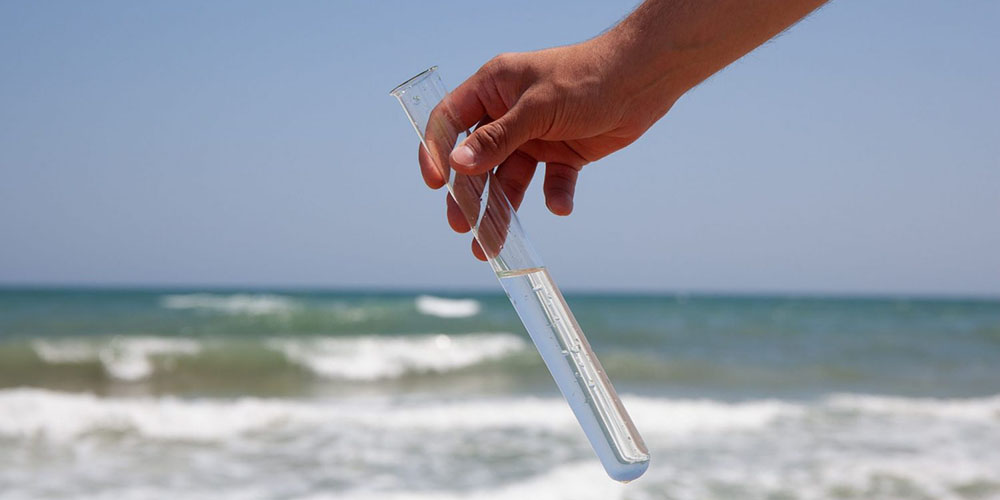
(514,176)
(465,104)
(492,143)
(464,203)
(491,233)
(494,92)
(559,187)
(456,113)
(456,219)
(477,250)
(431,174)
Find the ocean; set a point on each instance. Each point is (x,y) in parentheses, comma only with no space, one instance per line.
(278,394)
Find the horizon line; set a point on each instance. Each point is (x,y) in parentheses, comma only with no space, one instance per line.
(698,292)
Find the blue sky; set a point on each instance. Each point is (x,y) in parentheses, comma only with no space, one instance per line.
(254,143)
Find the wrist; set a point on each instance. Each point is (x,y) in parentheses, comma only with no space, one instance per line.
(641,73)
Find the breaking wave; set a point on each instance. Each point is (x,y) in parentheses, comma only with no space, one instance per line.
(447,308)
(123,358)
(380,357)
(252,304)
(40,412)
(354,358)
(511,447)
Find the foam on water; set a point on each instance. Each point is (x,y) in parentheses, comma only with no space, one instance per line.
(355,358)
(42,414)
(577,481)
(65,351)
(985,409)
(379,357)
(447,308)
(123,358)
(251,304)
(37,412)
(27,411)
(844,446)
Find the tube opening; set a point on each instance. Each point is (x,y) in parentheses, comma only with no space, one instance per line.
(403,87)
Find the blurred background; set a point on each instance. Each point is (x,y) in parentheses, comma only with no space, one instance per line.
(222,277)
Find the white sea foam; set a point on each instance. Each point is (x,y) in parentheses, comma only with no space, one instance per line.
(679,417)
(447,308)
(972,409)
(577,481)
(38,411)
(123,358)
(511,447)
(380,357)
(241,303)
(651,415)
(65,351)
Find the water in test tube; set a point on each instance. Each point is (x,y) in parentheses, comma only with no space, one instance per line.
(535,297)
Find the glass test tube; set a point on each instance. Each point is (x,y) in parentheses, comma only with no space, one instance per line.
(535,297)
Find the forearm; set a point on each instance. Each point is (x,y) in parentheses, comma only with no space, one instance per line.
(669,46)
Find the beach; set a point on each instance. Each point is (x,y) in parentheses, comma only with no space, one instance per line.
(191,394)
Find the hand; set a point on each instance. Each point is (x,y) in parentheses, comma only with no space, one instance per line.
(569,106)
(566,106)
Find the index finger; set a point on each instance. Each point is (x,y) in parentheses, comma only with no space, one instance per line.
(452,117)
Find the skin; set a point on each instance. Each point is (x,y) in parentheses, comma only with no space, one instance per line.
(572,105)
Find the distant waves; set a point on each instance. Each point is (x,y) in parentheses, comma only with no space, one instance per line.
(124,358)
(264,304)
(378,357)
(447,308)
(366,357)
(231,304)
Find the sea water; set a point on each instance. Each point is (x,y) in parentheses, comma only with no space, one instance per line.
(577,371)
(270,393)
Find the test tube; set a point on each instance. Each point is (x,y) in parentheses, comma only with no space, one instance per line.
(538,302)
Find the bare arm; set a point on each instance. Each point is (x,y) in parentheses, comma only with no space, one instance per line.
(568,106)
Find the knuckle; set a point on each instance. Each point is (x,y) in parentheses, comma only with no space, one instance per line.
(534,101)
(493,137)
(501,66)
(537,112)
(561,178)
(499,61)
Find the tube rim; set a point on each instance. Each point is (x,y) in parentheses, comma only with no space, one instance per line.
(402,87)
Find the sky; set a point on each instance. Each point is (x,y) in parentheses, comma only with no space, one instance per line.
(255,144)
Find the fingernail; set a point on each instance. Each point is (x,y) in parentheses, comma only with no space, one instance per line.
(463,155)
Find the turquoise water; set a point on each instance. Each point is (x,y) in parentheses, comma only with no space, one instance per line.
(302,394)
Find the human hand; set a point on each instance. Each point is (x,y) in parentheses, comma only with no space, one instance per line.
(569,106)
(566,107)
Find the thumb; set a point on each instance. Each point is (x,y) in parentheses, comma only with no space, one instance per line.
(491,144)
